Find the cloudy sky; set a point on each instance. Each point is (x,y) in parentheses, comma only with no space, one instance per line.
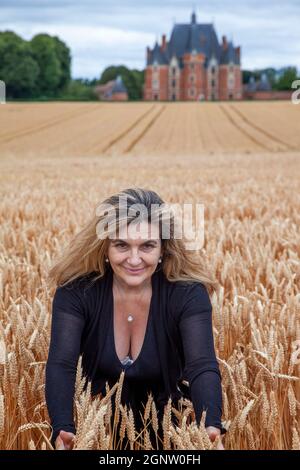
(101,33)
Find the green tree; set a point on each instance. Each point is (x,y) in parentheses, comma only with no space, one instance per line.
(282,83)
(50,77)
(18,69)
(132,79)
(78,89)
(64,56)
(287,78)
(139,76)
(246,74)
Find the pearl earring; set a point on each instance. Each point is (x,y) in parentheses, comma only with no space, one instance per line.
(159,260)
(106,260)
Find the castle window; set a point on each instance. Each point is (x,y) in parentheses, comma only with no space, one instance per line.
(191,78)
(174,70)
(212,83)
(173,83)
(230,81)
(192,66)
(173,97)
(155,84)
(213,69)
(192,92)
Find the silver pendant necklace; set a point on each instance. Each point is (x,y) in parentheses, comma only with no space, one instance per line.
(130,316)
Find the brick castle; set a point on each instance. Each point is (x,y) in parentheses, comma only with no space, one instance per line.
(193,66)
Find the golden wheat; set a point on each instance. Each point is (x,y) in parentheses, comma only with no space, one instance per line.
(242,161)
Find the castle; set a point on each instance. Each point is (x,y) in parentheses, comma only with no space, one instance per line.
(193,66)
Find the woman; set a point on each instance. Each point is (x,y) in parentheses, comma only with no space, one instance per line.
(129,301)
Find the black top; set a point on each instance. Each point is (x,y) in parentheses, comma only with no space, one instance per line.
(142,374)
(178,344)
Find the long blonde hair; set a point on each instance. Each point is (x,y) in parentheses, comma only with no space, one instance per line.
(86,252)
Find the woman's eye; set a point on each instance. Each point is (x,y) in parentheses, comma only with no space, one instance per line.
(123,245)
(148,247)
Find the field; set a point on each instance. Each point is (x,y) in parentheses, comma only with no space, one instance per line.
(242,160)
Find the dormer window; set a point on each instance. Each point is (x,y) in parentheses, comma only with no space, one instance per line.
(202,40)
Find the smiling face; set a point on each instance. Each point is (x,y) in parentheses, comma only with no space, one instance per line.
(134,255)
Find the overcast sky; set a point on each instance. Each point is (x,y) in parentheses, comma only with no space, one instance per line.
(102,33)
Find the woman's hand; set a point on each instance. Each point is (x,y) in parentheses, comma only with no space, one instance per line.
(64,441)
(212,434)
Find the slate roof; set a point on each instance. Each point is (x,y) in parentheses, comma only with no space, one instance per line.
(186,38)
(200,38)
(261,85)
(159,56)
(264,83)
(229,55)
(251,85)
(119,86)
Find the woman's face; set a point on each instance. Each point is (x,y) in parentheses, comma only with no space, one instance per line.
(134,255)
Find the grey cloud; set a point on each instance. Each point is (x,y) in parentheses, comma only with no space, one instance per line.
(267,30)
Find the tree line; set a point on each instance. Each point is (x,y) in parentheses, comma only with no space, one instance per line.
(279,79)
(36,68)
(41,69)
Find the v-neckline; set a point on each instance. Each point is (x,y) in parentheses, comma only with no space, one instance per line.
(125,366)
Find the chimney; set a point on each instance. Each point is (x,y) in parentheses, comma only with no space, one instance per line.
(163,42)
(224,42)
(238,52)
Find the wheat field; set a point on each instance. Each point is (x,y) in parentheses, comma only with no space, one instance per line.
(242,161)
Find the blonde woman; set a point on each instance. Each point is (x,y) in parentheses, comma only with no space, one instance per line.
(129,301)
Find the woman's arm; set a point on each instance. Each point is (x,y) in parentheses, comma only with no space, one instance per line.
(201,366)
(66,330)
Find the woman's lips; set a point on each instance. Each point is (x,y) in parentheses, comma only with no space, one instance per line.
(134,271)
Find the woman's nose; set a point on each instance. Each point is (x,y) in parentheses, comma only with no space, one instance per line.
(134,259)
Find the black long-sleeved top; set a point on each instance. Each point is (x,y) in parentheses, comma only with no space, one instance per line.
(178,344)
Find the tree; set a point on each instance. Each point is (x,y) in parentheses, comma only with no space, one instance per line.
(287,78)
(53,58)
(64,56)
(132,79)
(246,74)
(279,79)
(18,69)
(139,76)
(78,89)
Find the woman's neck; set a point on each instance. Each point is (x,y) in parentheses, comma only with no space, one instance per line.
(128,290)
